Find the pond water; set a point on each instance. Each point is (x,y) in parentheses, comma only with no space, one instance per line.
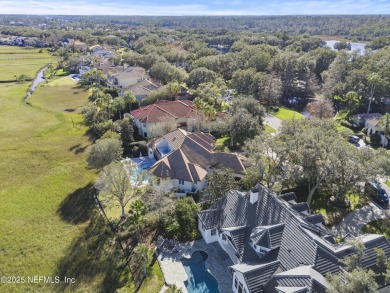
(38,79)
(354,46)
(199,279)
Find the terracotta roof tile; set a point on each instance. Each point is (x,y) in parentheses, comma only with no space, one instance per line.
(160,110)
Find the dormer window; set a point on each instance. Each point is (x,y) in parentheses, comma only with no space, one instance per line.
(213,232)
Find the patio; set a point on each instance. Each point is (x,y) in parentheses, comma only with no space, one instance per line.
(169,253)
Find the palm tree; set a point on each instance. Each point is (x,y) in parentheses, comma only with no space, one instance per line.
(119,104)
(129,99)
(198,103)
(142,257)
(109,105)
(210,113)
(95,93)
(137,216)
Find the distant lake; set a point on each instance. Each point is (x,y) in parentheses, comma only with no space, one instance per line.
(354,46)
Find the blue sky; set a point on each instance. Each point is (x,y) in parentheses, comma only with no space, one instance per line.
(195,7)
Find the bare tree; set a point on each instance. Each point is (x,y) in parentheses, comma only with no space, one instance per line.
(322,108)
(119,183)
(160,195)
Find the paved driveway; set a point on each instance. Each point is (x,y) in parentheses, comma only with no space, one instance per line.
(354,222)
(273,121)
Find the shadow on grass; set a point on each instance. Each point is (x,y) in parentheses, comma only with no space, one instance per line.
(94,259)
(77,149)
(78,206)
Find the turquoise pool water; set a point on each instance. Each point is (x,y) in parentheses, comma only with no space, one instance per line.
(199,279)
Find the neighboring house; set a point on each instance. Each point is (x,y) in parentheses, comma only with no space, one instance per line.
(109,70)
(181,111)
(128,77)
(276,245)
(360,119)
(373,126)
(141,89)
(187,157)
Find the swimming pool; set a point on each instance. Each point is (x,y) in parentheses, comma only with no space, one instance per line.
(199,279)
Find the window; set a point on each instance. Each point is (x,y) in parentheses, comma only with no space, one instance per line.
(145,134)
(213,232)
(144,124)
(181,181)
(224,237)
(254,245)
(203,227)
(235,282)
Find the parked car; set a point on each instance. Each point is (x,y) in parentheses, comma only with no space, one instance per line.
(354,139)
(375,190)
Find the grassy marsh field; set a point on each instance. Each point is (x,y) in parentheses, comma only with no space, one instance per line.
(49,224)
(18,60)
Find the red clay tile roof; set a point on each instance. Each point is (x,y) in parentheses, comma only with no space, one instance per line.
(161,110)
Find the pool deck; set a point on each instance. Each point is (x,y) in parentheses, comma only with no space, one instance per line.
(217,264)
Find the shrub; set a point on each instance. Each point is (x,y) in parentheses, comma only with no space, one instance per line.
(103,152)
(346,123)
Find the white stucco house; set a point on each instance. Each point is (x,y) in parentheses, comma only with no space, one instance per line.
(276,245)
(187,157)
(183,112)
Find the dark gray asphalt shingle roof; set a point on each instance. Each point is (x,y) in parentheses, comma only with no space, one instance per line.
(288,196)
(301,242)
(315,219)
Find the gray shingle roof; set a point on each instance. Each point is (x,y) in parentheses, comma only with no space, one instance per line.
(257,276)
(268,236)
(315,219)
(209,218)
(288,196)
(303,276)
(301,242)
(300,207)
(240,238)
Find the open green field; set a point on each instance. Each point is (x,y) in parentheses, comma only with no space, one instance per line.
(49,224)
(287,114)
(19,60)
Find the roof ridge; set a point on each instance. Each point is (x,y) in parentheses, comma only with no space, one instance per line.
(186,161)
(257,266)
(157,106)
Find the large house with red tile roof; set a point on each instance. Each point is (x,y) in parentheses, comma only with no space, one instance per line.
(181,111)
(187,157)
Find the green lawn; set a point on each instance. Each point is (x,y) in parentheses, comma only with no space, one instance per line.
(49,224)
(222,142)
(388,183)
(18,60)
(268,129)
(287,114)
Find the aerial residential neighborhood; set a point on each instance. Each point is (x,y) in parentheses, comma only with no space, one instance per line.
(205,148)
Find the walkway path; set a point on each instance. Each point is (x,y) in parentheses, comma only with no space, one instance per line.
(273,121)
(354,222)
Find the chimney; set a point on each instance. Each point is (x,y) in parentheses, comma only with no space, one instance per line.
(254,194)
